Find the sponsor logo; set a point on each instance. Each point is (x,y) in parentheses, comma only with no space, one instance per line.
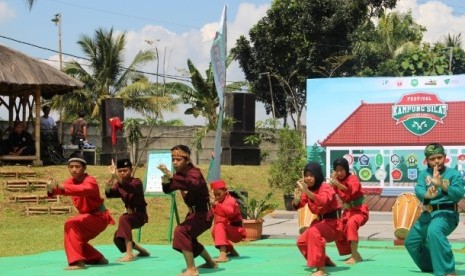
(431,82)
(414,82)
(419,112)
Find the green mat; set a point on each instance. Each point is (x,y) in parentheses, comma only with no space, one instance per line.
(263,257)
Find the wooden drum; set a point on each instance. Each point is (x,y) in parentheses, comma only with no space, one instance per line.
(405,212)
(306,217)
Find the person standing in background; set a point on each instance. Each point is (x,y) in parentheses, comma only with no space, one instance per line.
(78,130)
(47,123)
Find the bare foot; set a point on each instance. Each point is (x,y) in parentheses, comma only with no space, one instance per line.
(222,259)
(126,258)
(102,261)
(319,273)
(143,253)
(353,260)
(209,265)
(76,266)
(190,272)
(233,253)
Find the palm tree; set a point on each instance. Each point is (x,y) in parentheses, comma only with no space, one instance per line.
(107,77)
(203,98)
(454,41)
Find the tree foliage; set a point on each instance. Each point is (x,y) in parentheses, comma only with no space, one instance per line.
(106,76)
(292,41)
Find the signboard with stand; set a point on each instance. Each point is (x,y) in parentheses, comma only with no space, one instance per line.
(153,185)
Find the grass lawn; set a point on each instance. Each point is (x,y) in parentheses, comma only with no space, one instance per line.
(21,234)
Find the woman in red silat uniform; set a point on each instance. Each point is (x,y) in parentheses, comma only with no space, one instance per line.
(355,213)
(322,201)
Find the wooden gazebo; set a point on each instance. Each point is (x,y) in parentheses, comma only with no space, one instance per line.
(23,81)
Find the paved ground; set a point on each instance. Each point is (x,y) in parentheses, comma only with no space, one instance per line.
(380,226)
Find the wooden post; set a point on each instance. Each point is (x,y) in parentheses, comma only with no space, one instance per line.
(38,161)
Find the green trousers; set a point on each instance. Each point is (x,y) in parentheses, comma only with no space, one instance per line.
(427,242)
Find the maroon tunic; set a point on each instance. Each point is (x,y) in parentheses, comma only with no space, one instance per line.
(195,194)
(92,219)
(132,194)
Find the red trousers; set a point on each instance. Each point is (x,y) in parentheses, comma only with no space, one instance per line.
(312,242)
(224,235)
(352,220)
(79,230)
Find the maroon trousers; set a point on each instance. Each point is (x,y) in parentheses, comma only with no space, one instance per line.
(186,233)
(126,223)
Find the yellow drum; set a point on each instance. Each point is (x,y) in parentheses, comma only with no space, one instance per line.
(405,212)
(306,217)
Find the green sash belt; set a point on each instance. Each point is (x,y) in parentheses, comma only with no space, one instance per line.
(356,202)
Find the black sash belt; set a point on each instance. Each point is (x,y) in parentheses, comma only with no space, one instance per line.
(331,215)
(444,206)
(199,208)
(236,223)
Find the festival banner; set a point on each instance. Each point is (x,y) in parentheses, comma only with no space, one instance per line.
(218,60)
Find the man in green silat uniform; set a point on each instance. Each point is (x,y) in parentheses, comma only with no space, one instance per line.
(440,189)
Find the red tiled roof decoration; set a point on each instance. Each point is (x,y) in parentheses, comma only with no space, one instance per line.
(373,125)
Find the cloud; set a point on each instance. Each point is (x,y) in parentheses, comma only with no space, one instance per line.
(438,18)
(6,12)
(175,48)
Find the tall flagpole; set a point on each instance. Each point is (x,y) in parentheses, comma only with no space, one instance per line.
(218,60)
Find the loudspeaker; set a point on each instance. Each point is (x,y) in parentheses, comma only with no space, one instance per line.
(89,156)
(240,156)
(236,139)
(111,108)
(241,108)
(121,145)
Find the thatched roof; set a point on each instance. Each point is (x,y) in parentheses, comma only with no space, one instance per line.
(21,74)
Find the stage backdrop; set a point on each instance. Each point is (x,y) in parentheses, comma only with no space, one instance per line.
(381,125)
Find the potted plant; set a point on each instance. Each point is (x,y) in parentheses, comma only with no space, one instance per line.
(255,209)
(290,161)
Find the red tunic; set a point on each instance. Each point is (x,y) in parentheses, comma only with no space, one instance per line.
(353,216)
(92,219)
(227,226)
(312,241)
(196,196)
(132,194)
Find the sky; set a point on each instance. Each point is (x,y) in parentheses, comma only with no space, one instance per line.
(179,29)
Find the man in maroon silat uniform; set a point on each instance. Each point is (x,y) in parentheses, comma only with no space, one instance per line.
(190,181)
(130,190)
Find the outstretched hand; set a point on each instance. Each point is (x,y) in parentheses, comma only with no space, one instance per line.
(301,185)
(52,184)
(112,167)
(164,170)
